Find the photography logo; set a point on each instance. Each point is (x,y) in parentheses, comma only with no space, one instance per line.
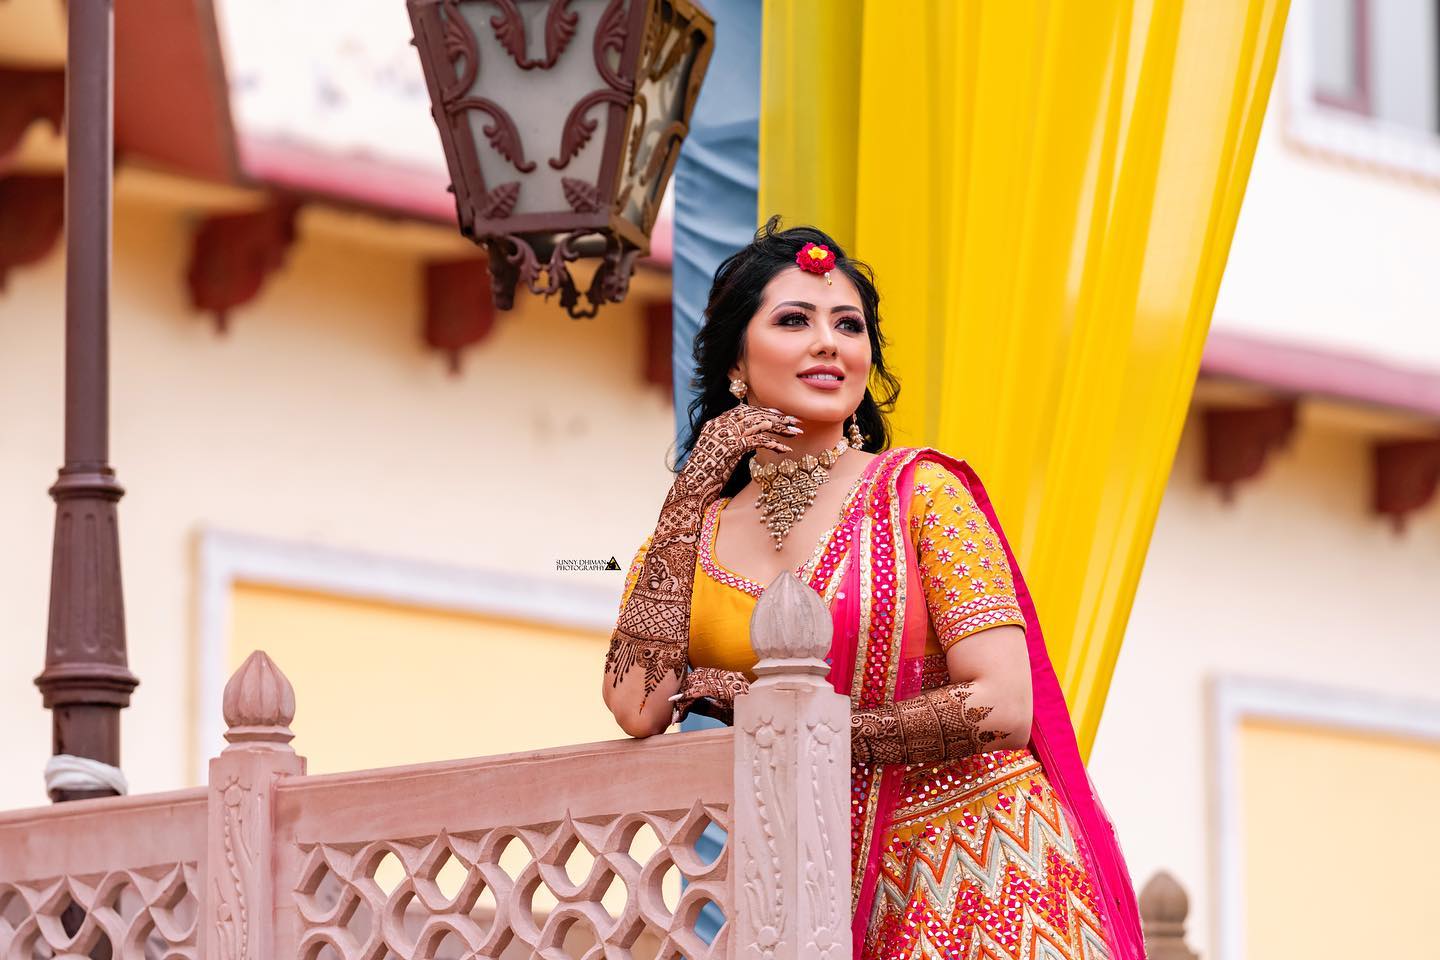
(611,564)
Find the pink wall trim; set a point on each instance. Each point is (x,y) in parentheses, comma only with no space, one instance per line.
(1331,373)
(409,192)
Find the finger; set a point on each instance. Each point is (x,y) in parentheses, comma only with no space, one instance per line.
(773,444)
(770,421)
(778,413)
(759,429)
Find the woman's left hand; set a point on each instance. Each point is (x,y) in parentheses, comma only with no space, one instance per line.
(709,683)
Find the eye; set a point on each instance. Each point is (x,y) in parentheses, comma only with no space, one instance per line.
(785,320)
(853,324)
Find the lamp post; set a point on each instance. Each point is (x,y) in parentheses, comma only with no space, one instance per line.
(86,681)
(561,121)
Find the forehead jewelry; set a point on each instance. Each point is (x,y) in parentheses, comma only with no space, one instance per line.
(816,258)
(787,488)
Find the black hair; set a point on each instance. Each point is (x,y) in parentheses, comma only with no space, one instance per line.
(735,297)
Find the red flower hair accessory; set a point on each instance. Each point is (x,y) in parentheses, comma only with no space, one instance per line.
(816,258)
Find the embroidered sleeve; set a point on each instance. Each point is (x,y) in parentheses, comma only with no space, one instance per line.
(967,580)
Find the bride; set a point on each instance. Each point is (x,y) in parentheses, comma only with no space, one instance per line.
(975,831)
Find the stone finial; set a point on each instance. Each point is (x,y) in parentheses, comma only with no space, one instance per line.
(259,705)
(790,629)
(1164,906)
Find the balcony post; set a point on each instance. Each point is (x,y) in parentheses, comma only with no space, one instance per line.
(791,833)
(237,917)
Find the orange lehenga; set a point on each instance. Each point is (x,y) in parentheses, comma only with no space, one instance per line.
(969,859)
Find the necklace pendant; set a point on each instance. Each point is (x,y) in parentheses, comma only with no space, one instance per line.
(788,488)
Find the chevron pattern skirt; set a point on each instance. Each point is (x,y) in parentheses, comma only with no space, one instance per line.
(981,863)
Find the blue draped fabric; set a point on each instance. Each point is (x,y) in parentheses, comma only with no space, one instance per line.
(716,179)
(716,196)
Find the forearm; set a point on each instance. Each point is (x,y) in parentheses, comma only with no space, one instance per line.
(649,648)
(946,723)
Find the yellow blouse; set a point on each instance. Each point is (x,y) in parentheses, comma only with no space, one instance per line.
(966,578)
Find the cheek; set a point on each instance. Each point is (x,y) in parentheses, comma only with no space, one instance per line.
(858,359)
(759,345)
(771,348)
(859,353)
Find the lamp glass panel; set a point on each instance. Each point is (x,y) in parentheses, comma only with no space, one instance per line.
(664,98)
(537,101)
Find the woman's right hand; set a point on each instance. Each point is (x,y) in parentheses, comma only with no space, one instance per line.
(725,439)
(720,687)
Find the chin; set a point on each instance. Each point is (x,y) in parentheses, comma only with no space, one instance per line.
(820,410)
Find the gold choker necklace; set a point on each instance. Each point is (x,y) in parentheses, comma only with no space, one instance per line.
(787,488)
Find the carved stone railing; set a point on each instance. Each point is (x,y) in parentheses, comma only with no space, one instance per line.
(99,878)
(583,851)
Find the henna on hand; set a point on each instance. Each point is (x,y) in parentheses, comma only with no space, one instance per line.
(724,440)
(720,687)
(937,725)
(653,631)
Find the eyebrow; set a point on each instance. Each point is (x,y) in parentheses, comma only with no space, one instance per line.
(810,306)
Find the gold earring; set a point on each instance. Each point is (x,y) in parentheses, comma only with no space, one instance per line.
(738,388)
(857,439)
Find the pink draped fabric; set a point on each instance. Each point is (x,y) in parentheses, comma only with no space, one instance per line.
(1052,736)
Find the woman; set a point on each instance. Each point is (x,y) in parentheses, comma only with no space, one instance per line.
(975,829)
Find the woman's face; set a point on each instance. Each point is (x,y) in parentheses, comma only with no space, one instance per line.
(806,351)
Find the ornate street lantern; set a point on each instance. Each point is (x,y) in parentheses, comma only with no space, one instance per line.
(561,121)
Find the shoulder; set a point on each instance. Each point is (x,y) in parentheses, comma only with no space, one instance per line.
(929,475)
(928,471)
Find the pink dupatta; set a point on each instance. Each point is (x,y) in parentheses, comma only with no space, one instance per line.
(880,625)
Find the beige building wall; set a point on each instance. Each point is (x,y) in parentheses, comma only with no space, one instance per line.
(385,684)
(322,435)
(1368,868)
(320,420)
(1295,588)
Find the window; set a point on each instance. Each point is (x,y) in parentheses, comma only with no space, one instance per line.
(1378,58)
(1339,47)
(1363,83)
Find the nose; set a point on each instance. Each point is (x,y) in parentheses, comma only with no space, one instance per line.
(825,342)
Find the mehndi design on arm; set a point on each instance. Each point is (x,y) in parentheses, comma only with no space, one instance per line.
(937,725)
(654,627)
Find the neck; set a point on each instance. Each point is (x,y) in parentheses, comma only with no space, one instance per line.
(817,437)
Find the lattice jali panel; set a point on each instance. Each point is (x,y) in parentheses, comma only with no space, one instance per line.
(570,888)
(146,913)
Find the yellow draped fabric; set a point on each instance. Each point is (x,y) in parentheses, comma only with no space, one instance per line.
(1047,192)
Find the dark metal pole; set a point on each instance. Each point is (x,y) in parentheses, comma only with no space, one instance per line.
(86,681)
